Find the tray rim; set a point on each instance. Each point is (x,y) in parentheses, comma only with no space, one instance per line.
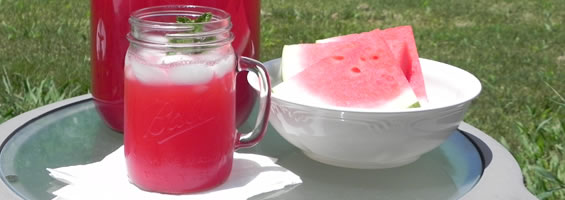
(496,172)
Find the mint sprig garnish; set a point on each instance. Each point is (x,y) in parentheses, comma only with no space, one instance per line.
(197,27)
(206,17)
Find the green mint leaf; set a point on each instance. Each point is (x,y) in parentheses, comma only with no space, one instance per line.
(184,20)
(206,17)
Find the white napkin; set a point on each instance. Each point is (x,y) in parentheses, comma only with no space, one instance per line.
(251,175)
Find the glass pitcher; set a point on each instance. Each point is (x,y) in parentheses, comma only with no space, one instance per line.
(109,27)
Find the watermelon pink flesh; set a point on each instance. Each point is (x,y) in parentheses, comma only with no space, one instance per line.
(360,74)
(296,57)
(401,42)
(403,46)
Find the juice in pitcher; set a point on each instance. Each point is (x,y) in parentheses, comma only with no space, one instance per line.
(109,27)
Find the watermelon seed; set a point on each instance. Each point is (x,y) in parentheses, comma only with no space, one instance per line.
(375,57)
(356,70)
(338,57)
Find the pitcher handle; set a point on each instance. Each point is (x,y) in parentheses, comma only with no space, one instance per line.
(245,140)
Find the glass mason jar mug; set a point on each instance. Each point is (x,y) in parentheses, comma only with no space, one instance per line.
(179,93)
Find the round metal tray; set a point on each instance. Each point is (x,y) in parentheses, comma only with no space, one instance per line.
(470,165)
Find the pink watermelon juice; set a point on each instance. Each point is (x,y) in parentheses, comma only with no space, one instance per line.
(109,26)
(179,120)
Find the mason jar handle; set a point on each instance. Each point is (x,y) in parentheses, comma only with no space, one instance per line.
(264,86)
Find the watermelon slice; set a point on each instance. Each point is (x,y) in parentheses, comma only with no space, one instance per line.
(403,46)
(354,74)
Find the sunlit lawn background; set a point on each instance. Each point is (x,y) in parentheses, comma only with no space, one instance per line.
(515,47)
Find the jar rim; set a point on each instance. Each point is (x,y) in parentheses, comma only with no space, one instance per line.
(221,20)
(137,17)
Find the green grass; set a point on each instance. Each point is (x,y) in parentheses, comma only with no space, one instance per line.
(516,48)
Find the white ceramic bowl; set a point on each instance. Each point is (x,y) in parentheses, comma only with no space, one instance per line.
(356,138)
